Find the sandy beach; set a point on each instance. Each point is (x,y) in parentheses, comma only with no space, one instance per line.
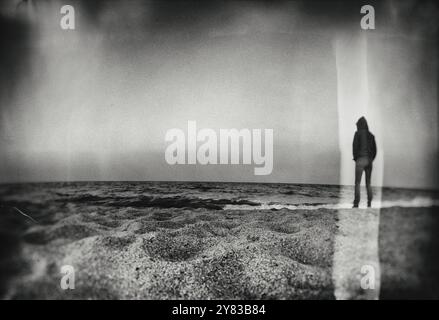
(183,255)
(139,252)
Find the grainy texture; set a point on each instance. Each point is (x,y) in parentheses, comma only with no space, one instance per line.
(126,242)
(234,255)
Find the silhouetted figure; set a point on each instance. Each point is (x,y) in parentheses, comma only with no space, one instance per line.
(364,150)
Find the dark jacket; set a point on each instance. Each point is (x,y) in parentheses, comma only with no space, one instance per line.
(364,142)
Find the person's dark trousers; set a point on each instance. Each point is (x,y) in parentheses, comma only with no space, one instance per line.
(363,164)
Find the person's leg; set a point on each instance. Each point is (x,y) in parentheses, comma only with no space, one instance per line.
(368,171)
(358,173)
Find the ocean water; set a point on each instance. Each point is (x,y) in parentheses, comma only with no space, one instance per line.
(42,200)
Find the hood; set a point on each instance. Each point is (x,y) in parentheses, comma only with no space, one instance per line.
(362,124)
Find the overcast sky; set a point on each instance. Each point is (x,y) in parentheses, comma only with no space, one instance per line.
(95,103)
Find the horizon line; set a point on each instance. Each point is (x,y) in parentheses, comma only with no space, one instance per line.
(212,181)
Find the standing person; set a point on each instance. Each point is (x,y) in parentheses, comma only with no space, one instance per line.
(364,150)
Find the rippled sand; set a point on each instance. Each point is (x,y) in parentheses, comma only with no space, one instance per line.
(126,244)
(182,254)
